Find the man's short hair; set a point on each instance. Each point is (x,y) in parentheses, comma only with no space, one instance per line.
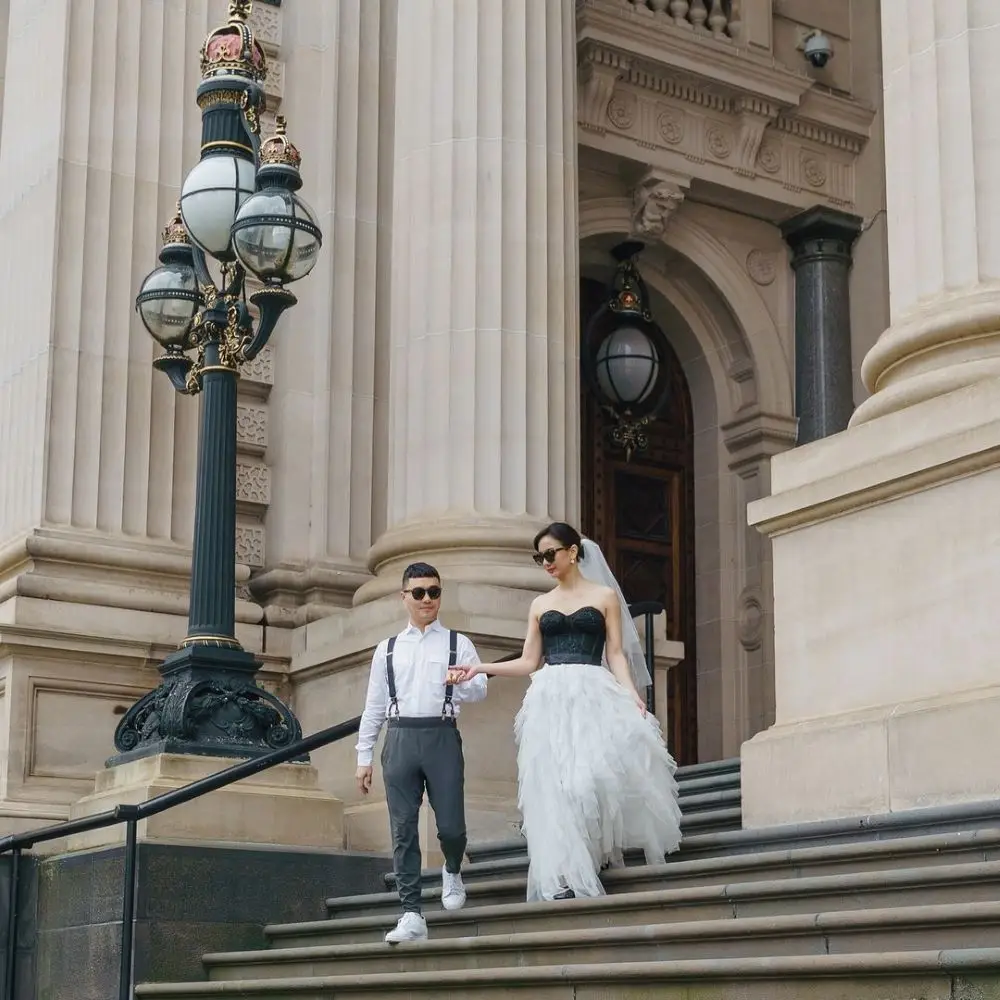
(419,571)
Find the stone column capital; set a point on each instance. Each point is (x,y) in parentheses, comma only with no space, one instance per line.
(821,231)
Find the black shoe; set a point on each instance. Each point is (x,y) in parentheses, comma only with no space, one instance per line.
(565,894)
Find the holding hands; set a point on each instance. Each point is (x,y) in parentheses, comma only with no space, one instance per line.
(459,675)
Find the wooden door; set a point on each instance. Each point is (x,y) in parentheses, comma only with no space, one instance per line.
(641,513)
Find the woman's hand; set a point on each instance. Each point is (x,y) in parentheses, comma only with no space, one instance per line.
(459,675)
(640,701)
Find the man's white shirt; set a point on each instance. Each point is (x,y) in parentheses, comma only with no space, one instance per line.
(420,667)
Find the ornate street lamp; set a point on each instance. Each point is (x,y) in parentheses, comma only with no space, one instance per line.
(239,206)
(623,351)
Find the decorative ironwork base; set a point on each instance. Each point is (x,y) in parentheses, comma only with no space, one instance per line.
(208,704)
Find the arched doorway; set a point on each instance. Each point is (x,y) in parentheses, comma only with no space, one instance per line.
(641,513)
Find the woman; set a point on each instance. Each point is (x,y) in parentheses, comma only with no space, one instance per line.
(594,776)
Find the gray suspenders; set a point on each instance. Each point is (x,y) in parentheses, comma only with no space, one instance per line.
(448,708)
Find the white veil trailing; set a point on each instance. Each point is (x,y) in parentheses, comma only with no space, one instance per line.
(594,567)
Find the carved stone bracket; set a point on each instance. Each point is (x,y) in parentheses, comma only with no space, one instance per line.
(754,115)
(598,71)
(655,198)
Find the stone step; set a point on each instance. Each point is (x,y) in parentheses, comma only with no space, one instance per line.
(713,798)
(693,782)
(710,782)
(508,883)
(710,843)
(973,882)
(512,855)
(934,974)
(908,928)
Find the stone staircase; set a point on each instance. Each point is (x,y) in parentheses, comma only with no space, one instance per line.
(884,908)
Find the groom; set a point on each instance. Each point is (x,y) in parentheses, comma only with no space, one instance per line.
(410,687)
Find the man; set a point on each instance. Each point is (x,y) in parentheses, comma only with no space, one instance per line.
(410,686)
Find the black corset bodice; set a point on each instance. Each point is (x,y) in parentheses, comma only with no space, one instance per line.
(574,638)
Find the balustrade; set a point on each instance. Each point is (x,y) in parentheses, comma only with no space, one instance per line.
(722,19)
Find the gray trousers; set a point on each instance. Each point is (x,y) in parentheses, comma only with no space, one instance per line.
(423,754)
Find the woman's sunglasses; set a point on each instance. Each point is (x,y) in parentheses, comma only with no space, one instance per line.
(548,556)
(419,593)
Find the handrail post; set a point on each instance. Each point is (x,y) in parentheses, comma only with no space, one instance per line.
(130,814)
(10,963)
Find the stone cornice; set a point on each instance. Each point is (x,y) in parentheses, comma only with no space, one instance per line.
(706,62)
(616,44)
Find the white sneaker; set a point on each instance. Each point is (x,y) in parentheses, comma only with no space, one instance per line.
(410,927)
(452,890)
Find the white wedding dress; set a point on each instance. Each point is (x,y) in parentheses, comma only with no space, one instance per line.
(594,775)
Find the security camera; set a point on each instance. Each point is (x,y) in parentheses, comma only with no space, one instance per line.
(817,49)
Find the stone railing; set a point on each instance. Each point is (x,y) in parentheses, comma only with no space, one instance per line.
(719,18)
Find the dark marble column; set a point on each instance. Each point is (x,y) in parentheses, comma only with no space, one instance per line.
(821,240)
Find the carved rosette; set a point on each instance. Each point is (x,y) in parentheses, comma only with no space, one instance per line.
(751,618)
(762,267)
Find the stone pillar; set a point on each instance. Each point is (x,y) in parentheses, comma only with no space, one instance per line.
(322,408)
(821,240)
(483,394)
(884,537)
(942,156)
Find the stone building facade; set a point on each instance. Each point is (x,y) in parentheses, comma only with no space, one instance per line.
(472,165)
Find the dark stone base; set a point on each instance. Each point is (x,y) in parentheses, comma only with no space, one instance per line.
(190,900)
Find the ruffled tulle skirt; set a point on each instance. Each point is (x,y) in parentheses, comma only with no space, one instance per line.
(594,779)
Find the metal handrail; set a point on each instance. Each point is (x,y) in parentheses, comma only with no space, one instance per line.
(131,815)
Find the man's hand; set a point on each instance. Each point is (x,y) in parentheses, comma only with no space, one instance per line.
(364,779)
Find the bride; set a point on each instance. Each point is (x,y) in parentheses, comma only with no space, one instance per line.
(594,775)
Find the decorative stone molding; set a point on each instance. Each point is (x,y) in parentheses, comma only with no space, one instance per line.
(265,19)
(762,267)
(253,484)
(597,72)
(258,375)
(274,82)
(250,545)
(686,95)
(753,437)
(750,627)
(251,428)
(655,198)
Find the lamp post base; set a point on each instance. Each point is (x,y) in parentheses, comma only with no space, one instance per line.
(208,704)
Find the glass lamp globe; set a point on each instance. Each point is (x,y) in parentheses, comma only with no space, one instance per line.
(169,299)
(211,196)
(276,237)
(627,366)
(168,302)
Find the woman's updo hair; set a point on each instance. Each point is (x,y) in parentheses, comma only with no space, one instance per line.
(563,533)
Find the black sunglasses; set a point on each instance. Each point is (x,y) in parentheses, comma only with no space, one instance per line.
(548,556)
(419,593)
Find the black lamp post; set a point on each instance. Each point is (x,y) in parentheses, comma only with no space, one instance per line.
(622,354)
(238,206)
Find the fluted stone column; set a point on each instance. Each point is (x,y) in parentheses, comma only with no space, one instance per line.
(821,240)
(942,140)
(338,57)
(483,425)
